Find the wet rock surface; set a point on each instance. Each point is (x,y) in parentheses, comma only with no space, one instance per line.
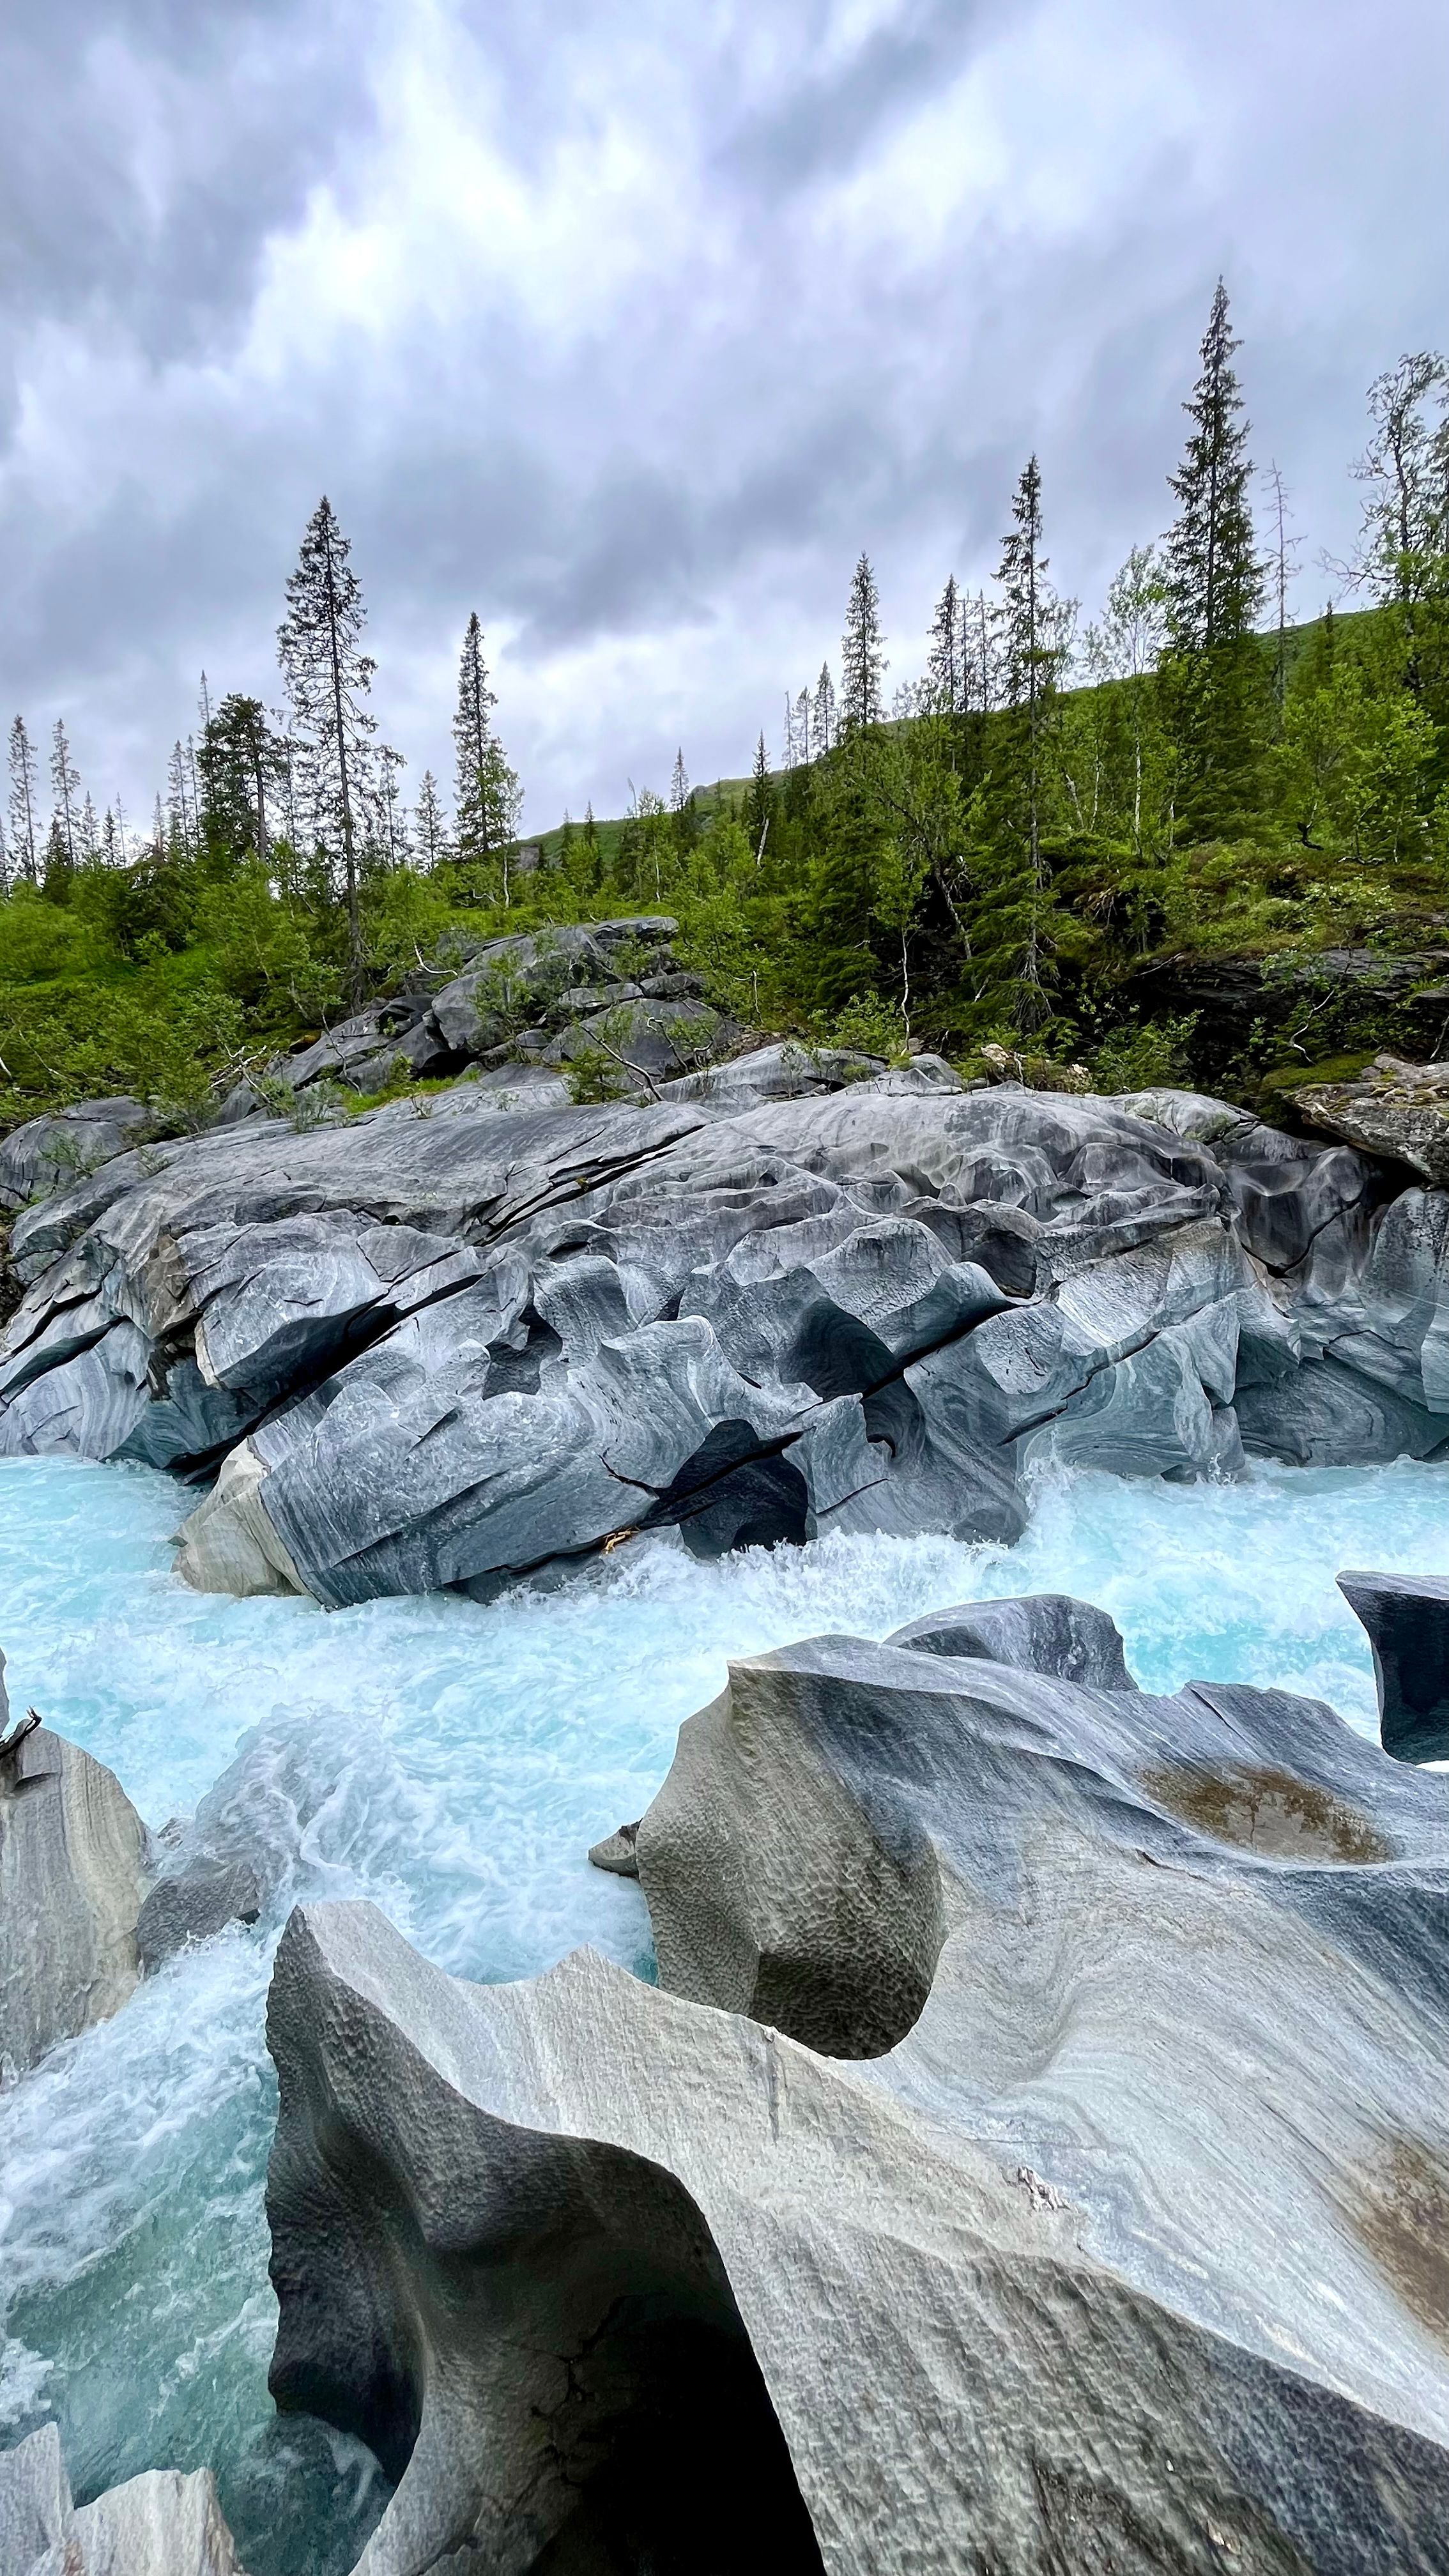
(1407,1619)
(454,1343)
(159,2524)
(1034,2156)
(74,1857)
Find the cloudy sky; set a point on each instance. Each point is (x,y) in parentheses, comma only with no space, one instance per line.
(632,324)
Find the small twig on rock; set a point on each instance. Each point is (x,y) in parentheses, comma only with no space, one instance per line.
(10,1744)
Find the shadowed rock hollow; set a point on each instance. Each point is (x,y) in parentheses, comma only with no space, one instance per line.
(1043,2106)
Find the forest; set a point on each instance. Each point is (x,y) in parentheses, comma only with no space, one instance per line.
(1183,840)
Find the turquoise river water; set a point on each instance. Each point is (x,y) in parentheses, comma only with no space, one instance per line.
(453,1763)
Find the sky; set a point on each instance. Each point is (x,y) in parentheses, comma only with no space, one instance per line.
(632,325)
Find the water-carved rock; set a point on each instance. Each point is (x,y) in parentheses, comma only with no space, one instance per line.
(73,1863)
(1033,2158)
(774,1301)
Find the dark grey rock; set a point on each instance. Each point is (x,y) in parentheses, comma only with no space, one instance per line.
(1407,1619)
(1029,2160)
(192,1906)
(1046,1632)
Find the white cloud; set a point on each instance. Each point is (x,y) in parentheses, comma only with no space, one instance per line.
(630,327)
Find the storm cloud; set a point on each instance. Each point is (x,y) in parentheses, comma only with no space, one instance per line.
(631,326)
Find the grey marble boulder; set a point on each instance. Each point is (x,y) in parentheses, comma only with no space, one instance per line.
(163,2523)
(659,1041)
(52,1152)
(74,1857)
(193,1903)
(457,1342)
(859,1311)
(1046,1632)
(177,1298)
(1391,1108)
(479,1006)
(1030,2160)
(1407,1620)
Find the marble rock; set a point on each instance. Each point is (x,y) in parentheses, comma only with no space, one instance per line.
(463,1340)
(477,1008)
(862,1310)
(658,1041)
(1032,2159)
(162,2523)
(1407,1619)
(49,1153)
(191,1904)
(1391,1108)
(74,1857)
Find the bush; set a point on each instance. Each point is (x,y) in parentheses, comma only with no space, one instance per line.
(1145,1056)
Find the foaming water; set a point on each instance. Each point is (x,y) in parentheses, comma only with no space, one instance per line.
(453,1764)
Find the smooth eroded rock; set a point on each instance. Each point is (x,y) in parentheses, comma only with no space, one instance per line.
(1032,2157)
(73,1864)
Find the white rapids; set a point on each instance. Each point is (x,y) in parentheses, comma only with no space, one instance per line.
(453,1763)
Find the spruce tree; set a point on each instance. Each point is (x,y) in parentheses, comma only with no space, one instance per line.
(24,805)
(180,820)
(823,718)
(328,677)
(1031,624)
(242,763)
(487,800)
(591,857)
(64,783)
(945,666)
(759,801)
(1214,593)
(429,828)
(863,663)
(88,835)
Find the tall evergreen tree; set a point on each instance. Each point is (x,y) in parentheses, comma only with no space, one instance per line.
(1214,577)
(1031,640)
(24,804)
(759,801)
(390,828)
(64,783)
(1214,593)
(328,677)
(863,663)
(945,669)
(487,800)
(591,857)
(472,738)
(242,763)
(181,840)
(429,827)
(88,835)
(823,725)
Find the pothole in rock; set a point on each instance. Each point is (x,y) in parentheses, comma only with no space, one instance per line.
(1268,1812)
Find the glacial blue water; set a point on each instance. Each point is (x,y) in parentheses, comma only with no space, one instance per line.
(453,1763)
